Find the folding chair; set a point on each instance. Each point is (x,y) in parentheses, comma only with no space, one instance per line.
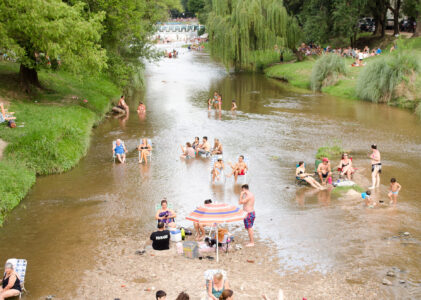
(114,144)
(19,265)
(149,141)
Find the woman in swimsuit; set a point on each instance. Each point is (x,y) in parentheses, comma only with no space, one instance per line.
(216,286)
(219,102)
(217,148)
(218,167)
(216,100)
(300,173)
(166,215)
(196,143)
(376,167)
(10,285)
(188,152)
(346,166)
(141,108)
(144,149)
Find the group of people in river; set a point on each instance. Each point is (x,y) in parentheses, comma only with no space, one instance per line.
(217,289)
(346,170)
(216,102)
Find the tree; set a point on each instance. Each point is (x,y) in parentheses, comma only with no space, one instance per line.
(239,28)
(195,6)
(38,32)
(346,14)
(127,27)
(412,8)
(395,9)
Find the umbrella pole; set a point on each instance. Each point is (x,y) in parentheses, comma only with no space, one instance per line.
(217,246)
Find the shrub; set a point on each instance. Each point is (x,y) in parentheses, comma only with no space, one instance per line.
(326,71)
(334,149)
(378,80)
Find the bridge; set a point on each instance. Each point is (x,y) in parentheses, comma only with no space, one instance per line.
(179,27)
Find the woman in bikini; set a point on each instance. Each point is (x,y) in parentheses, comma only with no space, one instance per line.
(216,100)
(196,143)
(166,215)
(218,167)
(144,149)
(300,173)
(217,148)
(376,166)
(346,166)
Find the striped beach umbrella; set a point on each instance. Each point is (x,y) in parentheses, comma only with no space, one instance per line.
(217,213)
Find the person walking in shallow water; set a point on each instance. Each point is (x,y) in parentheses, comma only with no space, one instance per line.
(247,200)
(376,166)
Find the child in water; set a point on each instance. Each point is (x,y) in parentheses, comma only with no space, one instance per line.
(233,105)
(367,197)
(395,187)
(210,103)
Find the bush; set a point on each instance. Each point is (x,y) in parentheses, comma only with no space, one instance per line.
(329,151)
(326,71)
(379,79)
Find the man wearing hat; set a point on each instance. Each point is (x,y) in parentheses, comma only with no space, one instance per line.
(324,170)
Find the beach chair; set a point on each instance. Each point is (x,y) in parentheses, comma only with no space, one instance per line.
(353,170)
(222,177)
(114,143)
(150,152)
(298,180)
(19,265)
(4,116)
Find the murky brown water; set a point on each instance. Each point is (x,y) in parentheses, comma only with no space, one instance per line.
(67,218)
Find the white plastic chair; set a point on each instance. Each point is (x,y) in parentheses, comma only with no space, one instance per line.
(114,144)
(149,141)
(19,265)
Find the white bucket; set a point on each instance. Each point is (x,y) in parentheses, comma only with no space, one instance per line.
(175,235)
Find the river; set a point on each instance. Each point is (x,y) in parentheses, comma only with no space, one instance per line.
(66,219)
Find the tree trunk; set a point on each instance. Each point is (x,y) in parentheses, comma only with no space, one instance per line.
(383,22)
(28,77)
(396,17)
(298,54)
(417,31)
(376,26)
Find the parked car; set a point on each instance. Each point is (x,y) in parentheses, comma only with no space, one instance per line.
(390,23)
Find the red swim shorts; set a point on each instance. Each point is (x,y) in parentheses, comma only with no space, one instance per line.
(242,172)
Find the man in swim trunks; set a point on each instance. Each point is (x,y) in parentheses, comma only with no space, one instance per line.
(239,168)
(204,147)
(247,200)
(395,187)
(324,171)
(376,167)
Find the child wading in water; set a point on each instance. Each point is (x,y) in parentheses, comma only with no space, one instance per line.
(395,187)
(233,105)
(367,197)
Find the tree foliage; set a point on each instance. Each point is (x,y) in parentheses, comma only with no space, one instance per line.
(34,29)
(238,28)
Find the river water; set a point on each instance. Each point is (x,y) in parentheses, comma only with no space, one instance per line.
(66,219)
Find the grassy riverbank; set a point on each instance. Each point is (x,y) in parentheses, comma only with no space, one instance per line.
(54,126)
(298,74)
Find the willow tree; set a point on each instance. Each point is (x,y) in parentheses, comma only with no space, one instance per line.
(239,28)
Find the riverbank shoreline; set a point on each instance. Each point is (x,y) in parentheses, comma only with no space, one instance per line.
(298,74)
(53,130)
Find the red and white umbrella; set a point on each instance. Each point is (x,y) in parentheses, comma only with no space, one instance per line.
(217,213)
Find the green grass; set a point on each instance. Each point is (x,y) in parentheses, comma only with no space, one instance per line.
(339,190)
(57,126)
(298,74)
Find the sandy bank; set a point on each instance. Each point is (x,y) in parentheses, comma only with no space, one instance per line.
(120,273)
